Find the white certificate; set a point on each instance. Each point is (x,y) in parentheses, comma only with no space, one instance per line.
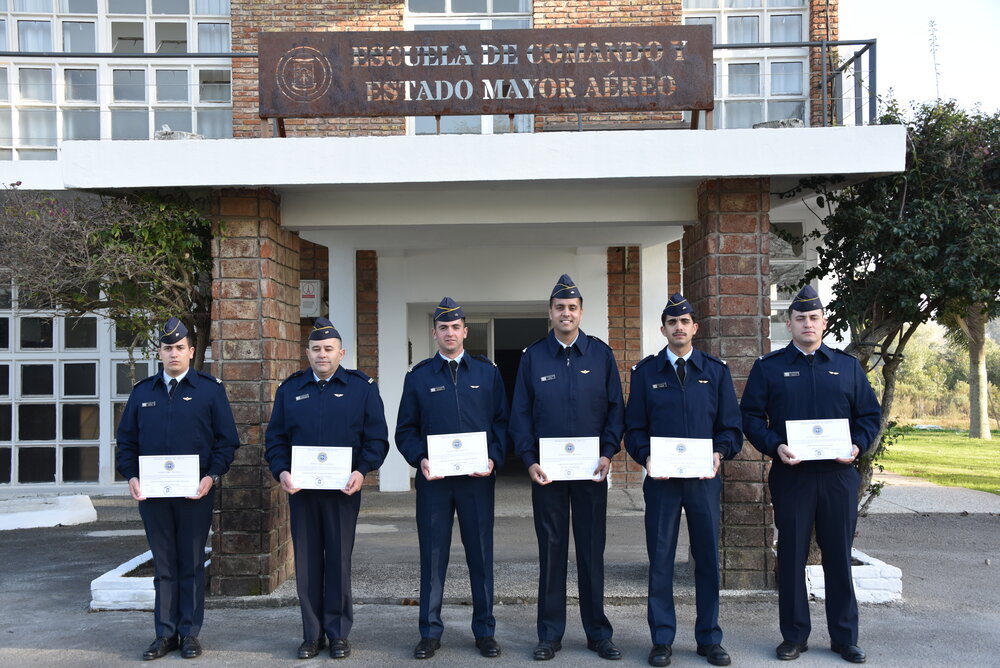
(571,458)
(680,457)
(169,475)
(819,439)
(457,454)
(321,467)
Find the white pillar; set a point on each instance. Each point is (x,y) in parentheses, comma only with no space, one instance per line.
(654,296)
(343,299)
(394,476)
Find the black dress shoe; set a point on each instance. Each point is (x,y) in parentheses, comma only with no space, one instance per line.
(851,653)
(715,654)
(426,647)
(340,648)
(310,648)
(546,649)
(605,649)
(660,655)
(789,650)
(160,648)
(190,647)
(488,647)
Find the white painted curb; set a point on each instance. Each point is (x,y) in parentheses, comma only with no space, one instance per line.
(114,591)
(32,512)
(874,581)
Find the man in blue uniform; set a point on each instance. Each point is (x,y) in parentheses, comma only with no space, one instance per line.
(325,405)
(453,393)
(809,381)
(180,411)
(568,386)
(683,393)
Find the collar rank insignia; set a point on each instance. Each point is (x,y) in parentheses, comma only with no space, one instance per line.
(187,398)
(338,395)
(584,371)
(475,387)
(834,373)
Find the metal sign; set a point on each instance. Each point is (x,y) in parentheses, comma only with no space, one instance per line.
(437,73)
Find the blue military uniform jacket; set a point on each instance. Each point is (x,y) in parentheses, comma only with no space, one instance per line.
(347,413)
(785,385)
(433,404)
(197,421)
(555,398)
(705,407)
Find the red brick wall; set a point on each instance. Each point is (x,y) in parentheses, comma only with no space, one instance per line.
(823,24)
(674,268)
(625,336)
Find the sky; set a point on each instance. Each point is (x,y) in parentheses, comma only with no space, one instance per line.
(967,46)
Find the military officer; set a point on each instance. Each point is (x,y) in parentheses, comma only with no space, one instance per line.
(568,385)
(326,405)
(809,381)
(452,393)
(179,411)
(682,393)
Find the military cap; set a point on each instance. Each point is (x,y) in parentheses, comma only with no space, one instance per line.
(448,311)
(565,288)
(173,331)
(323,329)
(806,300)
(677,305)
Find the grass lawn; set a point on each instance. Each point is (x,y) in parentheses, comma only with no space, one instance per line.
(948,458)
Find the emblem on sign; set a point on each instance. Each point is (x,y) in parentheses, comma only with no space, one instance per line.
(303,74)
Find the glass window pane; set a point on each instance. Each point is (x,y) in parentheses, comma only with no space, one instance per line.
(35,84)
(786,3)
(80,379)
(6,134)
(6,294)
(5,153)
(34,154)
(510,24)
(742,4)
(34,35)
(785,278)
(468,6)
(81,85)
(744,79)
(5,456)
(742,114)
(425,5)
(36,422)
(178,120)
(33,6)
(79,6)
(786,78)
(170,38)
(215,123)
(214,86)
(36,332)
(130,124)
(36,465)
(171,86)
(219,7)
(123,376)
(450,125)
(777,111)
(126,6)
(742,29)
(782,249)
(779,332)
(700,4)
(81,464)
(127,37)
(213,37)
(171,6)
(36,380)
(786,28)
(503,6)
(6,411)
(81,422)
(124,338)
(4,95)
(38,127)
(80,332)
(116,409)
(4,380)
(81,124)
(129,85)
(3,36)
(4,333)
(79,37)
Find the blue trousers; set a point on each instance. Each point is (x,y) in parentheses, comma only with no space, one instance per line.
(701,501)
(437,503)
(177,530)
(323,527)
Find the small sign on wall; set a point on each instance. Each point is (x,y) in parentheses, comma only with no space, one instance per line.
(310,298)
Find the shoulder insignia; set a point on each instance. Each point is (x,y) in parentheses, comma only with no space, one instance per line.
(360,374)
(642,361)
(484,358)
(594,338)
(210,377)
(716,359)
(771,354)
(420,364)
(845,353)
(294,375)
(532,345)
(143,380)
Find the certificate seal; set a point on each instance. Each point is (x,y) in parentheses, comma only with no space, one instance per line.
(570,447)
(681,447)
(319,481)
(321,457)
(168,465)
(166,489)
(818,452)
(680,470)
(457,444)
(458,467)
(817,429)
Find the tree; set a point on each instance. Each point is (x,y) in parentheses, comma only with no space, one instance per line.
(905,247)
(136,259)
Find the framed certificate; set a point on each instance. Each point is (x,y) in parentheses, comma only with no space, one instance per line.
(321,467)
(570,458)
(680,457)
(457,454)
(819,439)
(165,476)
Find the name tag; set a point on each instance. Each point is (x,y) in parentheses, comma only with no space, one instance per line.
(438,389)
(791,374)
(301,397)
(658,386)
(148,404)
(547,378)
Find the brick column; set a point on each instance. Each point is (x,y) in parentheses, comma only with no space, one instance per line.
(625,337)
(726,281)
(255,345)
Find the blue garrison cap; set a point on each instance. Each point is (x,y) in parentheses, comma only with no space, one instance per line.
(806,300)
(323,329)
(173,331)
(677,305)
(448,310)
(565,288)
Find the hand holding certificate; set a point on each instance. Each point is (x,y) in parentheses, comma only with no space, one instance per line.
(573,458)
(819,439)
(321,467)
(457,454)
(168,476)
(681,458)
